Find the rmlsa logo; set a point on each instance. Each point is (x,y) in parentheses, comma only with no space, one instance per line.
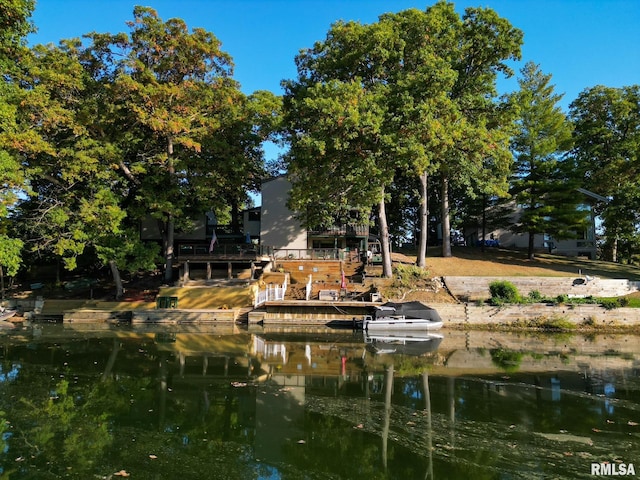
(607,468)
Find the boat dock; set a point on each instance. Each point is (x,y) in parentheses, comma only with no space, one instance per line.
(309,312)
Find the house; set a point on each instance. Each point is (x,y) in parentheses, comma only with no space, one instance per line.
(235,253)
(584,245)
(281,230)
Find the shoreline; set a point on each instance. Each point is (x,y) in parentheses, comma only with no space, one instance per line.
(541,318)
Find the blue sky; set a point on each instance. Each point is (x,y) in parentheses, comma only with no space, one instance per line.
(582,43)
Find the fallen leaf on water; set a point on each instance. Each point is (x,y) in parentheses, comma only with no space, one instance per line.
(410,423)
(122,473)
(632,424)
(597,430)
(301,441)
(359,426)
(153,457)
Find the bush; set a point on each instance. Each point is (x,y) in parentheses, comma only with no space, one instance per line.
(408,275)
(535,296)
(503,291)
(611,303)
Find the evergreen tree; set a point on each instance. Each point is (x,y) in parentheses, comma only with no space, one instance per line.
(542,187)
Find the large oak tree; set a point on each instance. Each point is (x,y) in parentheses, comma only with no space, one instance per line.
(170,90)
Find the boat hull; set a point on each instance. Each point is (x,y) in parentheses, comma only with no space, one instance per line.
(402,342)
(417,324)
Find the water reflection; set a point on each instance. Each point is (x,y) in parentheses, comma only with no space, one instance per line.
(317,403)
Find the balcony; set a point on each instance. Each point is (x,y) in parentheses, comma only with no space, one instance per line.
(340,231)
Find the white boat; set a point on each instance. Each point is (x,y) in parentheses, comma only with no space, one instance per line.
(402,316)
(402,342)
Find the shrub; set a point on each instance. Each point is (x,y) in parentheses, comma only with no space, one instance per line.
(408,275)
(611,303)
(503,291)
(535,295)
(553,324)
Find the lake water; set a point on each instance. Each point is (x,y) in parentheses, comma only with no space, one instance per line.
(227,403)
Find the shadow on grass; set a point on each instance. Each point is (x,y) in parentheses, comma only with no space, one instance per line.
(553,263)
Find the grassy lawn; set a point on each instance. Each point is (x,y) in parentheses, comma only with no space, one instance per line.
(494,262)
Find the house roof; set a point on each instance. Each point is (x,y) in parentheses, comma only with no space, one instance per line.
(588,193)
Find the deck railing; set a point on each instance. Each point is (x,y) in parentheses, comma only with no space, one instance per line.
(315,254)
(248,250)
(341,230)
(271,293)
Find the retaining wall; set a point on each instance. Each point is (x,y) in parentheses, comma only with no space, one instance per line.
(477,288)
(173,316)
(472,314)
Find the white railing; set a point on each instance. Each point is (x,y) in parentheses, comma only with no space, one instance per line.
(271,293)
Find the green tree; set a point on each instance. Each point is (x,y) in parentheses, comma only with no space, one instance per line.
(607,141)
(169,90)
(15,25)
(383,84)
(478,158)
(10,258)
(432,75)
(73,203)
(339,159)
(541,186)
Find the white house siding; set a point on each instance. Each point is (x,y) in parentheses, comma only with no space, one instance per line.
(569,247)
(278,226)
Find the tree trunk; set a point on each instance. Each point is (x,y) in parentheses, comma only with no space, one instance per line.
(388,391)
(446,221)
(384,239)
(235,217)
(170,224)
(424,219)
(112,360)
(484,222)
(531,254)
(116,279)
(2,281)
(168,252)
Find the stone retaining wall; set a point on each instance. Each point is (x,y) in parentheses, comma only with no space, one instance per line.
(477,288)
(183,317)
(473,314)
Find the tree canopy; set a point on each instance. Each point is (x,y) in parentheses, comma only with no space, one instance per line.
(606,153)
(100,133)
(413,92)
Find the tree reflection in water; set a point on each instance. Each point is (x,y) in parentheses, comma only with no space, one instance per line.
(313,404)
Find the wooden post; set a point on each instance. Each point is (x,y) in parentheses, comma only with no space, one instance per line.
(208,270)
